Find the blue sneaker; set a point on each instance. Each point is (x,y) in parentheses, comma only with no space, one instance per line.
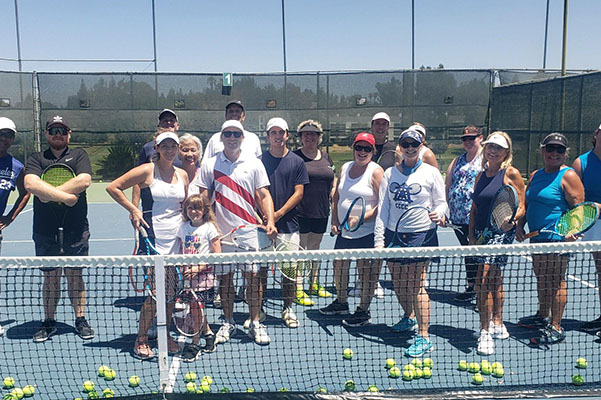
(405,324)
(420,347)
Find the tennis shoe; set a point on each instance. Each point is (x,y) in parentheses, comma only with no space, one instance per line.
(262,318)
(420,347)
(335,308)
(83,329)
(258,332)
(1,330)
(217,301)
(550,335)
(486,344)
(318,290)
(533,322)
(405,324)
(191,352)
(224,333)
(591,326)
(468,295)
(359,318)
(356,291)
(209,346)
(498,331)
(48,329)
(303,299)
(290,319)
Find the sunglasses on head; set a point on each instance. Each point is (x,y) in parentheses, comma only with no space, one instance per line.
(410,143)
(236,134)
(470,138)
(7,133)
(550,148)
(58,130)
(367,149)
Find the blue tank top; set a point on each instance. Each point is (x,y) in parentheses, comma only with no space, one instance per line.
(546,201)
(591,176)
(484,191)
(10,168)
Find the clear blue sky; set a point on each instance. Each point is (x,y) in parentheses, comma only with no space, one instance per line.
(246,35)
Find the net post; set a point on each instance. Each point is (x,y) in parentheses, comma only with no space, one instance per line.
(159,276)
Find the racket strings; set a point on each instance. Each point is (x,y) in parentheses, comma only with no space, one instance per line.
(577,219)
(503,208)
(57,175)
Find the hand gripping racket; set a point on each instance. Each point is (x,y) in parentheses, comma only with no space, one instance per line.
(354,216)
(404,233)
(56,175)
(575,221)
(503,208)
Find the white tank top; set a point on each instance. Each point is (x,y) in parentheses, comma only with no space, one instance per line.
(349,189)
(166,207)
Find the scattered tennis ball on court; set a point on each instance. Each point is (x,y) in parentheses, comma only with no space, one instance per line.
(109,375)
(428,362)
(577,380)
(485,369)
(474,367)
(9,396)
(108,393)
(347,353)
(349,385)
(134,381)
(207,378)
(416,362)
(418,373)
(205,386)
(427,372)
(498,372)
(88,386)
(390,363)
(477,379)
(18,393)
(581,363)
(28,390)
(372,388)
(250,390)
(190,376)
(462,366)
(394,372)
(283,389)
(321,390)
(485,362)
(93,395)
(190,387)
(224,390)
(409,367)
(102,370)
(9,382)
(496,365)
(407,375)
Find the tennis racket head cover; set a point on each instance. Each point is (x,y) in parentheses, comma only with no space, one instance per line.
(57,174)
(405,229)
(354,215)
(577,220)
(503,207)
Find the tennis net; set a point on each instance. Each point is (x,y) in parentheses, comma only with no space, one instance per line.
(312,356)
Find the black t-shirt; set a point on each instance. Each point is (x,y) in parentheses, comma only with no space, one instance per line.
(384,154)
(45,219)
(316,199)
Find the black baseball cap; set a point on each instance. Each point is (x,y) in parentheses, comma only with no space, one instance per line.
(555,138)
(57,120)
(167,111)
(234,102)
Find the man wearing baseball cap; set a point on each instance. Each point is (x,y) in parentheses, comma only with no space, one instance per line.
(234,110)
(385,149)
(46,224)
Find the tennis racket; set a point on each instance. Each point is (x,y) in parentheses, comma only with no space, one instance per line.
(136,275)
(404,232)
(388,159)
(575,221)
(188,317)
(56,175)
(503,208)
(354,216)
(292,269)
(248,238)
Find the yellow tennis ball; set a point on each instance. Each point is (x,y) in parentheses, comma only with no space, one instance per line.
(498,372)
(485,363)
(250,390)
(190,376)
(9,382)
(10,396)
(283,389)
(29,390)
(224,390)
(416,362)
(321,390)
(485,369)
(496,365)
(428,362)
(577,380)
(373,388)
(407,375)
(394,372)
(390,363)
(347,353)
(208,378)
(205,386)
(93,395)
(134,381)
(418,373)
(102,370)
(427,372)
(108,393)
(18,393)
(88,386)
(462,366)
(477,379)
(349,385)
(409,367)
(581,363)
(191,387)
(474,367)
(109,375)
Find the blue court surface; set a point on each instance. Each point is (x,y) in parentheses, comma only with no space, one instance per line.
(299,360)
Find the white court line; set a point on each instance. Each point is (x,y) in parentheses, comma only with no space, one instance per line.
(175,365)
(91,240)
(572,277)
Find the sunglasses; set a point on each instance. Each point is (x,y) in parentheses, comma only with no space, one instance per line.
(408,144)
(550,148)
(236,134)
(470,138)
(7,133)
(61,130)
(367,149)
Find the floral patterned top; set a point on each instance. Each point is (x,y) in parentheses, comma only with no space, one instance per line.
(462,187)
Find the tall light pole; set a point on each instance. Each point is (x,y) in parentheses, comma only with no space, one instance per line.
(546,32)
(564,49)
(412,34)
(284,35)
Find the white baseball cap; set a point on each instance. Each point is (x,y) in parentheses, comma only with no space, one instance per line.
(497,139)
(232,123)
(277,121)
(381,115)
(167,135)
(419,129)
(7,123)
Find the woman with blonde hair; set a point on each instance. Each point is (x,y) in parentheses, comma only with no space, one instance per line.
(490,295)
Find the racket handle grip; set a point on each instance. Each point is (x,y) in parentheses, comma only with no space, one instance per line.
(531,235)
(60,238)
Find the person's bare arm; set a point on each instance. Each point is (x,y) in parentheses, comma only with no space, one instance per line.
(20,203)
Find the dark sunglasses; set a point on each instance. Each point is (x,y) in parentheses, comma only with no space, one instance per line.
(58,131)
(550,148)
(411,143)
(7,133)
(236,134)
(470,138)
(367,149)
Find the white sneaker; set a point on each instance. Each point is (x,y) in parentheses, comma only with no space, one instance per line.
(1,331)
(355,291)
(379,292)
(217,301)
(258,333)
(290,319)
(498,331)
(224,333)
(486,344)
(262,318)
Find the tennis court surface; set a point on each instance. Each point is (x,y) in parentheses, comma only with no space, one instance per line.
(298,360)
